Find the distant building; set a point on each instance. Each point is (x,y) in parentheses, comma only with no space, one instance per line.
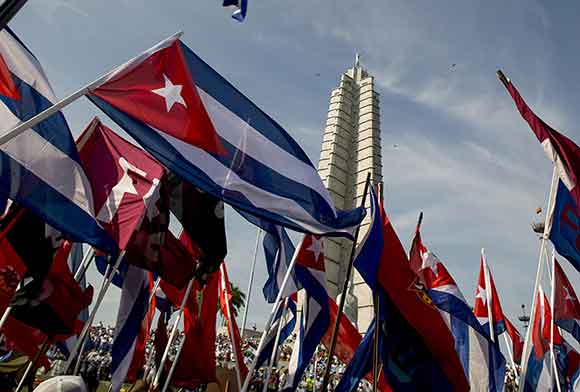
(351,148)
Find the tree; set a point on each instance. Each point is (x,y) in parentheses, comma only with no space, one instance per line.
(238,299)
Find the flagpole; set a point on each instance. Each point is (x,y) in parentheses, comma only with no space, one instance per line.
(275,348)
(172,336)
(81,271)
(77,94)
(174,364)
(273,312)
(230,324)
(525,353)
(510,353)
(89,322)
(250,284)
(488,295)
(376,374)
(552,353)
(344,293)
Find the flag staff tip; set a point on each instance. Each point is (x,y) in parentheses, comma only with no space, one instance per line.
(419,220)
(502,78)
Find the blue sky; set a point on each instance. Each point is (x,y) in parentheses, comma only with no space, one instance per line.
(464,155)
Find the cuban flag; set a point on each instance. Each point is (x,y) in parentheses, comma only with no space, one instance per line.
(566,305)
(240,8)
(563,224)
(286,319)
(482,361)
(315,317)
(200,127)
(133,309)
(486,300)
(40,168)
(539,365)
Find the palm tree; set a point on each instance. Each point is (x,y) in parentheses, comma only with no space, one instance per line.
(238,299)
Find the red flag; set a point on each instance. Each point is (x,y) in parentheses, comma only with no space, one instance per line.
(347,341)
(7,86)
(566,305)
(225,291)
(12,270)
(517,341)
(56,309)
(25,339)
(124,179)
(160,91)
(197,364)
(409,295)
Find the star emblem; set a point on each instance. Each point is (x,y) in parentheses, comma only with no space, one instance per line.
(430,261)
(315,247)
(481,294)
(171,93)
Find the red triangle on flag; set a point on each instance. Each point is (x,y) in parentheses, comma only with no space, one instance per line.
(7,86)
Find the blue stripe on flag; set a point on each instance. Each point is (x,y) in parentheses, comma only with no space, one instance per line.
(221,90)
(570,326)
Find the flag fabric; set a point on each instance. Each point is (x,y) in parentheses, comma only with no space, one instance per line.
(55,308)
(566,305)
(197,363)
(12,270)
(517,341)
(240,8)
(482,361)
(567,362)
(204,130)
(202,218)
(315,317)
(563,219)
(424,345)
(416,353)
(25,339)
(41,169)
(285,318)
(539,366)
(484,293)
(132,311)
(124,180)
(225,293)
(348,341)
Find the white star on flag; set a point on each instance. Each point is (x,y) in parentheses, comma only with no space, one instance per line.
(315,247)
(481,294)
(430,261)
(171,93)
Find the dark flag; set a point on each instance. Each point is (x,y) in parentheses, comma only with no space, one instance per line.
(202,217)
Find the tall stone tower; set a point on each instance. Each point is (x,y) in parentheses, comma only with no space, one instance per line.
(351,148)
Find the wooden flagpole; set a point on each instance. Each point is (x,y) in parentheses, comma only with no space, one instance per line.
(332,347)
(377,311)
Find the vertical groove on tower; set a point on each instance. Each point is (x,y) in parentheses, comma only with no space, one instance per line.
(351,148)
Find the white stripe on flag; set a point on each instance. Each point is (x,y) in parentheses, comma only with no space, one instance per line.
(20,62)
(224,177)
(232,128)
(34,153)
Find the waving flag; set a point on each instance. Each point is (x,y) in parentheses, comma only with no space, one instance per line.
(566,305)
(483,363)
(132,311)
(225,291)
(484,294)
(286,317)
(240,8)
(41,169)
(204,130)
(539,366)
(517,341)
(563,225)
(315,318)
(416,349)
